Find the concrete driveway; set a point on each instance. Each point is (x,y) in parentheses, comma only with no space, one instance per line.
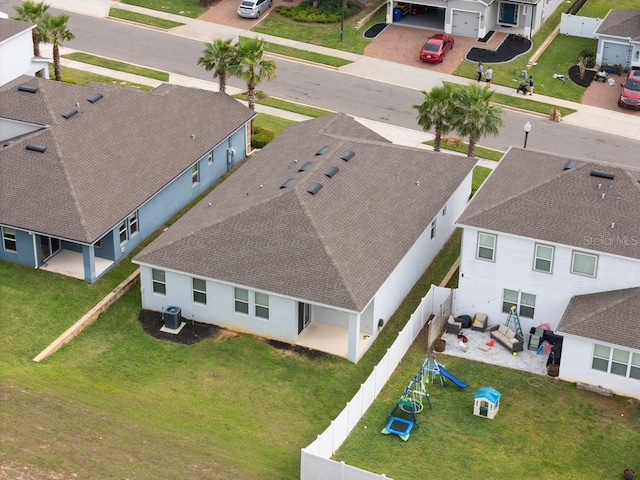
(224,12)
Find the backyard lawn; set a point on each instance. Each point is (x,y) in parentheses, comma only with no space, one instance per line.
(545,429)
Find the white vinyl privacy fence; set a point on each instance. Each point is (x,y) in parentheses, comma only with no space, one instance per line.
(315,461)
(578,26)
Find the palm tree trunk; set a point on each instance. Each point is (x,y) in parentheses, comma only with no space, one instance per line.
(56,62)
(251,96)
(223,82)
(36,43)
(438,140)
(471,152)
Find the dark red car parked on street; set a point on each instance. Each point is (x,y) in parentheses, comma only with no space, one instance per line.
(436,47)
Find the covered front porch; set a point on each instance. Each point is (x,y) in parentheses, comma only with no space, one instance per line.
(71,264)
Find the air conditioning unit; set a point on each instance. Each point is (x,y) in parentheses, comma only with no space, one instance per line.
(172,317)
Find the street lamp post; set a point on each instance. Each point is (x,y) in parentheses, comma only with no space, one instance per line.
(342,21)
(527,129)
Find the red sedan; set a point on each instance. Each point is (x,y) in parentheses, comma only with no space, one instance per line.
(436,47)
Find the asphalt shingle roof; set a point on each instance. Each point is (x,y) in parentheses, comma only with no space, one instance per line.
(108,159)
(621,23)
(9,28)
(609,317)
(336,247)
(530,194)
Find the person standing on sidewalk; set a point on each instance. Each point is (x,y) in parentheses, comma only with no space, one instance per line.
(480,71)
(530,85)
(488,75)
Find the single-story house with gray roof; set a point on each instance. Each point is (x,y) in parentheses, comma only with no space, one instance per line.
(619,39)
(88,172)
(544,229)
(314,241)
(602,342)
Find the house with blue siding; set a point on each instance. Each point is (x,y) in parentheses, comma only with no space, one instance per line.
(88,172)
(314,241)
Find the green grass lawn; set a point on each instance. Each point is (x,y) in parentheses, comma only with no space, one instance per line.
(306,55)
(600,8)
(118,65)
(326,35)
(80,77)
(287,106)
(143,19)
(545,429)
(186,8)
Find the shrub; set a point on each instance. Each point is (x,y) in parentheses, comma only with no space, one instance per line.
(327,11)
(261,136)
(589,57)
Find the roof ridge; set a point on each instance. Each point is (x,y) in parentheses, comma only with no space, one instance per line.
(327,250)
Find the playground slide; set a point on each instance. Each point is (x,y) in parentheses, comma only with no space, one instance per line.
(452,377)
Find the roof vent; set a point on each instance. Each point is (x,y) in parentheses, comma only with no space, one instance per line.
(569,165)
(95,97)
(314,188)
(70,113)
(28,88)
(331,171)
(36,148)
(348,155)
(601,174)
(305,167)
(289,183)
(323,150)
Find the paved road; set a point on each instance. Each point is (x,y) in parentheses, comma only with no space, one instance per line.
(328,88)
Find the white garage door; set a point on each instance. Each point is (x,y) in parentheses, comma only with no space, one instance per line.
(616,54)
(465,23)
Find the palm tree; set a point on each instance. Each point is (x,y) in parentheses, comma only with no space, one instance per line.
(55,32)
(436,111)
(217,56)
(251,67)
(32,12)
(473,114)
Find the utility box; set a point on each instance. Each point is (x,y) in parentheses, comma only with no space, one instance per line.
(172,317)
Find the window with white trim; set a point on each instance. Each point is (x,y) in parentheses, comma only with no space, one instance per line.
(486,246)
(195,174)
(584,264)
(543,258)
(9,242)
(158,281)
(525,303)
(241,297)
(128,228)
(262,305)
(210,157)
(199,288)
(616,361)
(444,211)
(433,229)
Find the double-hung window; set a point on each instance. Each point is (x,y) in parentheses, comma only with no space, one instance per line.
(159,282)
(9,242)
(486,246)
(543,261)
(584,264)
(262,305)
(195,174)
(241,297)
(199,287)
(525,303)
(616,361)
(433,229)
(128,228)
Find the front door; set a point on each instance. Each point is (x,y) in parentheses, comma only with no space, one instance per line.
(508,14)
(304,316)
(49,246)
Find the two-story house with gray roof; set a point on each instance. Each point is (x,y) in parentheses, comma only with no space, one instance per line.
(314,241)
(88,172)
(559,238)
(16,51)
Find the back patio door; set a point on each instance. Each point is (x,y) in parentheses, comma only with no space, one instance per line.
(49,246)
(304,316)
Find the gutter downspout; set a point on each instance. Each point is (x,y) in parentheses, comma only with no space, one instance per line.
(35,251)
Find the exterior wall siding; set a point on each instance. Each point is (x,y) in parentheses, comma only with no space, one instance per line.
(15,57)
(24,253)
(481,282)
(577,368)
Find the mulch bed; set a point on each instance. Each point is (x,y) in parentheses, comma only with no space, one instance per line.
(574,75)
(374,30)
(486,38)
(194,332)
(191,333)
(510,48)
